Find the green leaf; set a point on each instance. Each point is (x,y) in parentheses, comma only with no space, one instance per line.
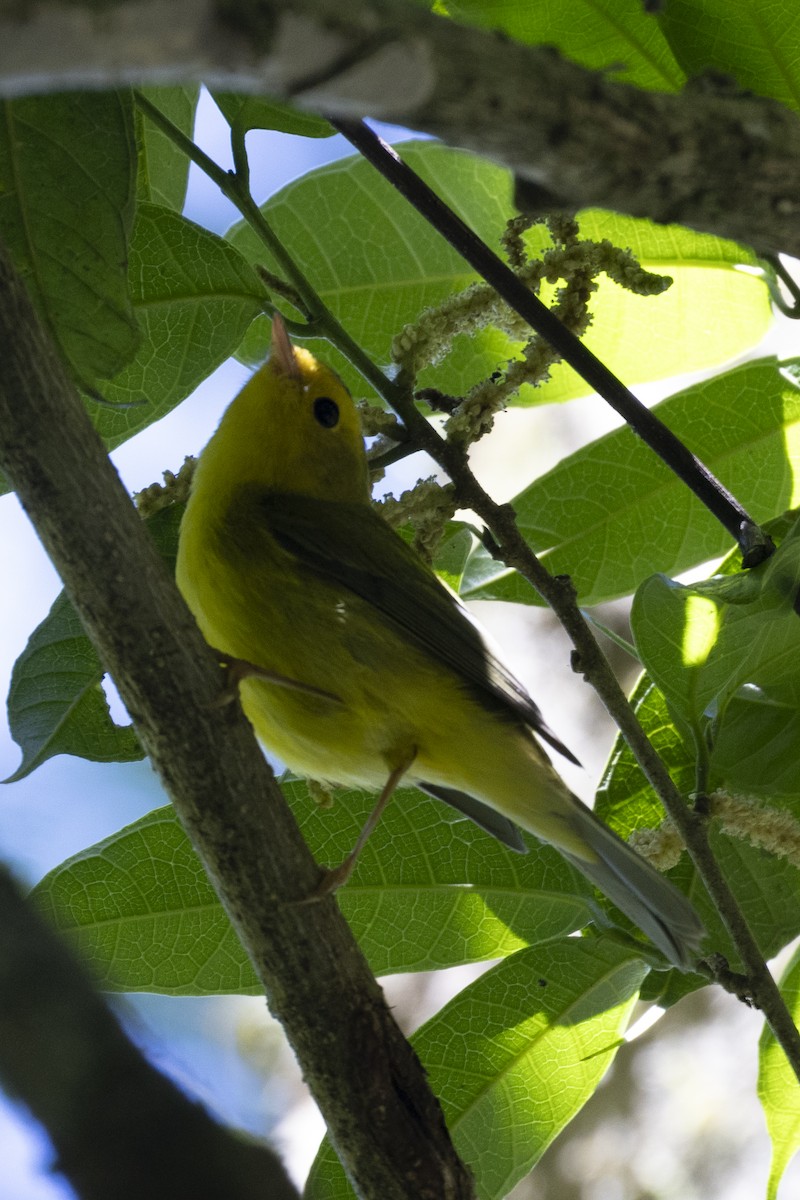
(767,888)
(243,112)
(125,904)
(731,638)
(378,265)
(606,35)
(778,1089)
(163,168)
(430,890)
(710,314)
(757,749)
(626,801)
(753,41)
(612,513)
(195,296)
(675,629)
(56,704)
(516,1055)
(67,176)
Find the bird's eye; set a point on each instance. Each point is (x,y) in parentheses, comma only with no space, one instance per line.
(326,412)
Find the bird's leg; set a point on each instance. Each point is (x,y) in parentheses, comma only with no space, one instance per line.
(334,877)
(237,669)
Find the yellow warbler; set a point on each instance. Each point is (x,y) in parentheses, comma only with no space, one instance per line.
(357,666)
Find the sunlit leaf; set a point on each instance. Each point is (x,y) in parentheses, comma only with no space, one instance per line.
(752,42)
(778,1089)
(516,1055)
(606,35)
(378,264)
(612,513)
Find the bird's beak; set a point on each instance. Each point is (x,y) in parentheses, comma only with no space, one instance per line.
(283,360)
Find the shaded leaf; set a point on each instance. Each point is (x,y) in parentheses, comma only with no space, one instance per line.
(778,1089)
(163,168)
(195,296)
(56,704)
(730,647)
(767,888)
(67,178)
(243,112)
(430,890)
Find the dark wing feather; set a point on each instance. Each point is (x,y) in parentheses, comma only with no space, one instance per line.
(349,545)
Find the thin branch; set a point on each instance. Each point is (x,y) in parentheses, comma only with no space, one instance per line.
(119,1127)
(384,1122)
(589,660)
(754,544)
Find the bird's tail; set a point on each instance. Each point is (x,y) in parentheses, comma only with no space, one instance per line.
(649,899)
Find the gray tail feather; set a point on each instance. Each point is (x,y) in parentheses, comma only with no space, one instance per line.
(646,897)
(488,818)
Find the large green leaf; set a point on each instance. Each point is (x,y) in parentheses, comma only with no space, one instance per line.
(56,704)
(430,890)
(195,297)
(612,513)
(378,264)
(618,35)
(710,314)
(163,168)
(516,1055)
(778,1089)
(67,180)
(754,41)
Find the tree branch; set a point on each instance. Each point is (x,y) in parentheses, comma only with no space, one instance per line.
(384,1122)
(724,163)
(119,1128)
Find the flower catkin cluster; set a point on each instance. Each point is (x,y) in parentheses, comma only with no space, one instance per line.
(428,507)
(754,821)
(174,490)
(745,817)
(661,847)
(570,266)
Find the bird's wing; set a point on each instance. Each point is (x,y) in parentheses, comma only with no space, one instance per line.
(351,546)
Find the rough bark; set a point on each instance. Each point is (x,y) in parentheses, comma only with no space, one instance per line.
(721,162)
